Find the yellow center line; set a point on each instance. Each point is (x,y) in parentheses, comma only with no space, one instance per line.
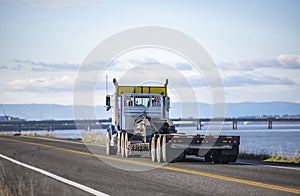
(199,173)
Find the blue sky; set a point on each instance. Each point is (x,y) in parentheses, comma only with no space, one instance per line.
(255,44)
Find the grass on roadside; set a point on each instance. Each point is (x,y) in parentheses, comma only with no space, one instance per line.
(282,159)
(18,186)
(252,156)
(47,135)
(94,138)
(87,137)
(271,158)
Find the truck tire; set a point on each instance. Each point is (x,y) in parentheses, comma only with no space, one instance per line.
(158,150)
(119,142)
(169,154)
(122,144)
(153,149)
(110,150)
(164,149)
(126,145)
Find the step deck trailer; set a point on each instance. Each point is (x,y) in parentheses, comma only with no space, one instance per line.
(141,125)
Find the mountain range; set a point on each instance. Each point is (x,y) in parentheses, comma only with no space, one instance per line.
(178,110)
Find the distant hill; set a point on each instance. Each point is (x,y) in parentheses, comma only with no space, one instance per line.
(184,110)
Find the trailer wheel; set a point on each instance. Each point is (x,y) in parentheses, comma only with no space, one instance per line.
(158,150)
(126,145)
(216,157)
(153,149)
(208,157)
(233,158)
(224,159)
(122,145)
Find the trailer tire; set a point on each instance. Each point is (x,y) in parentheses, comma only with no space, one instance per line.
(126,145)
(153,149)
(158,150)
(208,157)
(216,157)
(224,159)
(233,158)
(122,144)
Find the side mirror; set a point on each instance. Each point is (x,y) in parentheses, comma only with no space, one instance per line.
(107,101)
(168,103)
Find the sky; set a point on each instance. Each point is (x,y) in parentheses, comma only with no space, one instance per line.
(254,44)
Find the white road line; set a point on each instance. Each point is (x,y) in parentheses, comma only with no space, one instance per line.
(282,167)
(65,141)
(266,165)
(61,179)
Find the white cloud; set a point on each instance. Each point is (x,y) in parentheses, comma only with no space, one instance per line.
(280,62)
(58,3)
(43,66)
(232,79)
(43,84)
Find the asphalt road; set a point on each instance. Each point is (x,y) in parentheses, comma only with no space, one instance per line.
(113,175)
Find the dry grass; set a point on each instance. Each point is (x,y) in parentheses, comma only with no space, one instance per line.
(278,157)
(19,186)
(95,138)
(282,159)
(252,156)
(47,135)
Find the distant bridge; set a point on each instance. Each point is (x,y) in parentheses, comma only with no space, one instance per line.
(51,125)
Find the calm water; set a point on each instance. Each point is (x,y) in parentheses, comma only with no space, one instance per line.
(283,139)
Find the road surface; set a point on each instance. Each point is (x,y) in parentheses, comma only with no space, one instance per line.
(36,166)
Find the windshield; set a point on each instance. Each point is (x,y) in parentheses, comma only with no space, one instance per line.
(142,101)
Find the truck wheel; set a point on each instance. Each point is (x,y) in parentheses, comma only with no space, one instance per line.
(153,149)
(164,150)
(122,145)
(158,150)
(126,144)
(108,148)
(119,142)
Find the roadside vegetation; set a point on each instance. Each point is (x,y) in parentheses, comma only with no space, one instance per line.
(47,135)
(281,159)
(29,134)
(274,158)
(94,138)
(87,137)
(13,184)
(252,156)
